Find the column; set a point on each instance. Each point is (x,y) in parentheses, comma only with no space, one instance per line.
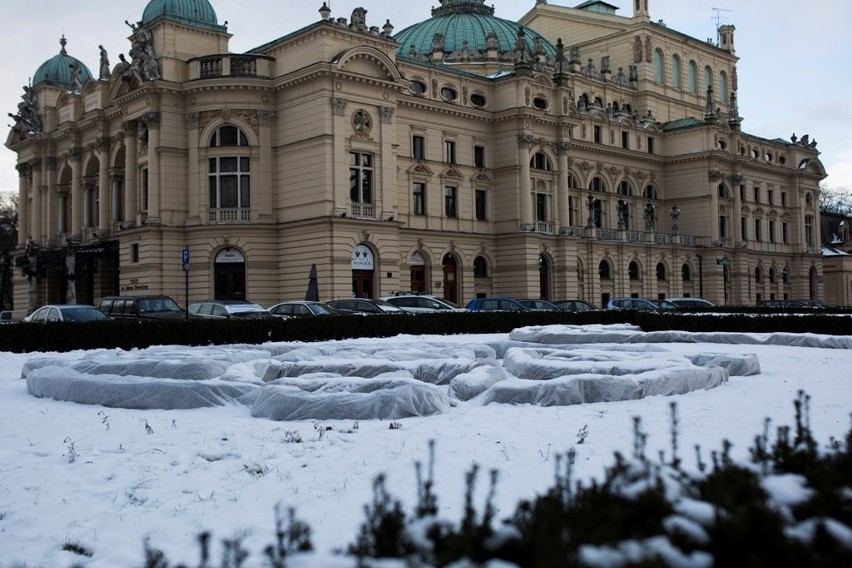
(131,189)
(115,210)
(152,121)
(102,145)
(524,143)
(195,190)
(386,202)
(37,212)
(51,206)
(562,214)
(76,156)
(23,206)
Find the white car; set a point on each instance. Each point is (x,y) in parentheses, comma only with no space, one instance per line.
(66,312)
(691,302)
(420,303)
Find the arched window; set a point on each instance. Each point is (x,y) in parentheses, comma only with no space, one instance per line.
(605,270)
(659,77)
(785,276)
(676,80)
(541,161)
(633,270)
(597,184)
(650,192)
(723,87)
(625,188)
(480,267)
(708,78)
(758,274)
(692,78)
(686,273)
(723,191)
(773,275)
(661,271)
(229,175)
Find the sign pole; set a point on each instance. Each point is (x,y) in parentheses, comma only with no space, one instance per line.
(186,281)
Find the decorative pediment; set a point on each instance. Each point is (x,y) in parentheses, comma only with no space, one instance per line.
(481,179)
(420,169)
(368,61)
(452,173)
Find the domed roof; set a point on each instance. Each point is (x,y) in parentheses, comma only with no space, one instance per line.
(471,21)
(56,71)
(193,12)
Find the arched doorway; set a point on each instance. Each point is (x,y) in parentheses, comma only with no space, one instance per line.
(418,272)
(363,266)
(451,290)
(543,277)
(229,275)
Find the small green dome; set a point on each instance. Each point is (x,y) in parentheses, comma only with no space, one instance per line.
(192,12)
(56,71)
(471,21)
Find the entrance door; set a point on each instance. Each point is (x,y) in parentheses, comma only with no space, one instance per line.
(229,275)
(451,292)
(362,283)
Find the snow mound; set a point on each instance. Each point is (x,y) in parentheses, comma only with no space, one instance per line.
(363,379)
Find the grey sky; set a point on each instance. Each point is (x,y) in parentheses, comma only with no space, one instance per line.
(794,70)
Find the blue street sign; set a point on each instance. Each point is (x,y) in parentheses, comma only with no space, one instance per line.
(185,256)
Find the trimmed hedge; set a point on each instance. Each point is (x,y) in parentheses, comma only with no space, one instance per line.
(25,338)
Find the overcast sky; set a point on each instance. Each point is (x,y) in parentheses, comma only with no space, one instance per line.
(795,74)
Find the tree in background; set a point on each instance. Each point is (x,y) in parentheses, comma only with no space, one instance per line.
(837,201)
(8,241)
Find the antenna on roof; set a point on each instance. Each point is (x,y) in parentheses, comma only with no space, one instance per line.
(718,18)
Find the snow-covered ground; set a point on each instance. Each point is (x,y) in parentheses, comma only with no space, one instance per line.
(107,477)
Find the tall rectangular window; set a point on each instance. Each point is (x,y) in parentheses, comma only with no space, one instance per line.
(723,227)
(597,134)
(783,199)
(541,207)
(650,145)
(625,140)
(809,230)
(418,147)
(744,228)
(758,235)
(144,189)
(785,233)
(418,198)
(134,253)
(742,193)
(769,195)
(479,156)
(757,194)
(361,178)
(449,151)
(481,205)
(229,182)
(450,209)
(771,231)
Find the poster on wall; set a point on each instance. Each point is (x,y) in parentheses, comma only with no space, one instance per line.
(362,258)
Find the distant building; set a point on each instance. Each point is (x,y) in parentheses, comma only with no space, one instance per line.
(837,258)
(466,155)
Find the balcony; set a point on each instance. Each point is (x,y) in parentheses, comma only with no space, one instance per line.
(227,65)
(229,216)
(363,210)
(545,227)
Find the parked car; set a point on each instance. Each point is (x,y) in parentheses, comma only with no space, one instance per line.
(631,304)
(663,304)
(67,313)
(140,307)
(6,316)
(365,306)
(691,303)
(302,308)
(495,305)
(227,309)
(419,303)
(574,306)
(539,305)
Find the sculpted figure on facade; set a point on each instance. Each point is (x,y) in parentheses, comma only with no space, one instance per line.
(76,78)
(359,20)
(142,56)
(104,64)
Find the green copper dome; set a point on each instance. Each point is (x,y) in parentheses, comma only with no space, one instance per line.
(56,71)
(467,20)
(192,12)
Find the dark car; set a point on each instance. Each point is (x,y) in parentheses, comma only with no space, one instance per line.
(226,309)
(67,313)
(365,306)
(574,306)
(6,316)
(300,308)
(495,305)
(140,307)
(691,302)
(539,305)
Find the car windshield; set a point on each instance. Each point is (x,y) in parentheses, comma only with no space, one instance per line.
(321,309)
(83,314)
(157,305)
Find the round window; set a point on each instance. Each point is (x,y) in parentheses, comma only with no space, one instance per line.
(448,94)
(417,88)
(540,103)
(478,100)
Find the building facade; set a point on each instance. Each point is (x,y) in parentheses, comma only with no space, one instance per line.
(574,154)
